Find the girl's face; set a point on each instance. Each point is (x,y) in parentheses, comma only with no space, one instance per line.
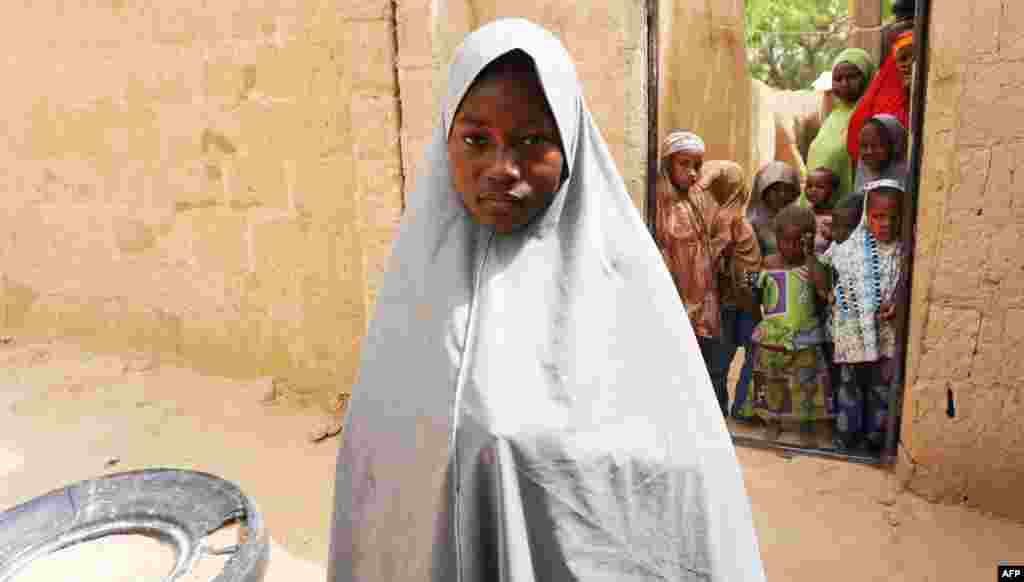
(789,239)
(504,150)
(875,148)
(683,169)
(905,63)
(844,220)
(780,195)
(847,82)
(884,214)
(819,188)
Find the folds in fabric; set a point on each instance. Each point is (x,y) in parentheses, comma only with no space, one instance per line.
(533,406)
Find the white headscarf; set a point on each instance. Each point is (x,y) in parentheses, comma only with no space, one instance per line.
(869,274)
(682,141)
(533,406)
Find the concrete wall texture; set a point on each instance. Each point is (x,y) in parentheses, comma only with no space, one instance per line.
(967,317)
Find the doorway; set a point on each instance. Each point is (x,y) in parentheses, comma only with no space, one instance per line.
(794,51)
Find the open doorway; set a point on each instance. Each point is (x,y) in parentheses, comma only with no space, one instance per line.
(790,48)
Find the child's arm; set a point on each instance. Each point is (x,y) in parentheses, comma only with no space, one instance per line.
(818,271)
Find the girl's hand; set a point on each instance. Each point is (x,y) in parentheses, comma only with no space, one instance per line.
(888,311)
(807,243)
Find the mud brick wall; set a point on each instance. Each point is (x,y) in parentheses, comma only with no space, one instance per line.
(967,316)
(214,181)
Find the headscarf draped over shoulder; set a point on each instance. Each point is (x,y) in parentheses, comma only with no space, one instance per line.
(885,95)
(533,406)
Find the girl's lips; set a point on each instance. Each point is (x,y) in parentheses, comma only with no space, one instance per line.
(502,204)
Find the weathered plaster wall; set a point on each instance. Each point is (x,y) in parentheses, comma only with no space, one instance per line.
(217,181)
(967,317)
(703,76)
(606,40)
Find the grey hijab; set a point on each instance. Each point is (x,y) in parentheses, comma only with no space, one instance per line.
(898,167)
(533,406)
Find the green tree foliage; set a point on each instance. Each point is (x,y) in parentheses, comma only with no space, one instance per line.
(790,42)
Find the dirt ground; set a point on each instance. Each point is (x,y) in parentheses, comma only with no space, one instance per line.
(69,415)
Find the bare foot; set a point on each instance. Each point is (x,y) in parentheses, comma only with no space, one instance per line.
(333,424)
(329,427)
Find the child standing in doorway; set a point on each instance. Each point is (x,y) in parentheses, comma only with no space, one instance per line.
(883,151)
(776,186)
(868,267)
(791,380)
(698,233)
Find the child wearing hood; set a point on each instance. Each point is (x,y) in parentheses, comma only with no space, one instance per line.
(883,151)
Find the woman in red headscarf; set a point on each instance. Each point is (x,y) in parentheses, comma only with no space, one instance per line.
(889,92)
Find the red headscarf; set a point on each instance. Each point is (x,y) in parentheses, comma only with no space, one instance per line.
(886,94)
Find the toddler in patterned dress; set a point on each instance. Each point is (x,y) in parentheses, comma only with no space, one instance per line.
(791,376)
(868,271)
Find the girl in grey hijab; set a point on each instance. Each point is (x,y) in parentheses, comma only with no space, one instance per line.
(532,405)
(883,152)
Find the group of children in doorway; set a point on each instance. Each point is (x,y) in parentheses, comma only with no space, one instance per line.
(803,276)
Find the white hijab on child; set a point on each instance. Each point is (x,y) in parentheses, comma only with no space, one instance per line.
(533,406)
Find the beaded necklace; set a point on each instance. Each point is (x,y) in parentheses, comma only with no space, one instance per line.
(874,300)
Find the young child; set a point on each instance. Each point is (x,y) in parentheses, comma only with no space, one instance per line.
(883,151)
(776,186)
(822,184)
(698,233)
(846,216)
(868,267)
(791,379)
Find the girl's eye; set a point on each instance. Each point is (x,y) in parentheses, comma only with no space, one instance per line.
(475,140)
(531,140)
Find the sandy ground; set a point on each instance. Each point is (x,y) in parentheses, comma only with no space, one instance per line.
(66,413)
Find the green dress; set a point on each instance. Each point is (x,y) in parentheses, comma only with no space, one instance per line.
(791,380)
(829,148)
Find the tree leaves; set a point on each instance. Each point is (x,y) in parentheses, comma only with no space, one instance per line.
(790,42)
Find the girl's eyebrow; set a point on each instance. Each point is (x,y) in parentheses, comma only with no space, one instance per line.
(469,119)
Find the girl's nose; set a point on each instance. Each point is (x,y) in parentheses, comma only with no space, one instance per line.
(504,169)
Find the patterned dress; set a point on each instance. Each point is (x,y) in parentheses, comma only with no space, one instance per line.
(791,377)
(868,274)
